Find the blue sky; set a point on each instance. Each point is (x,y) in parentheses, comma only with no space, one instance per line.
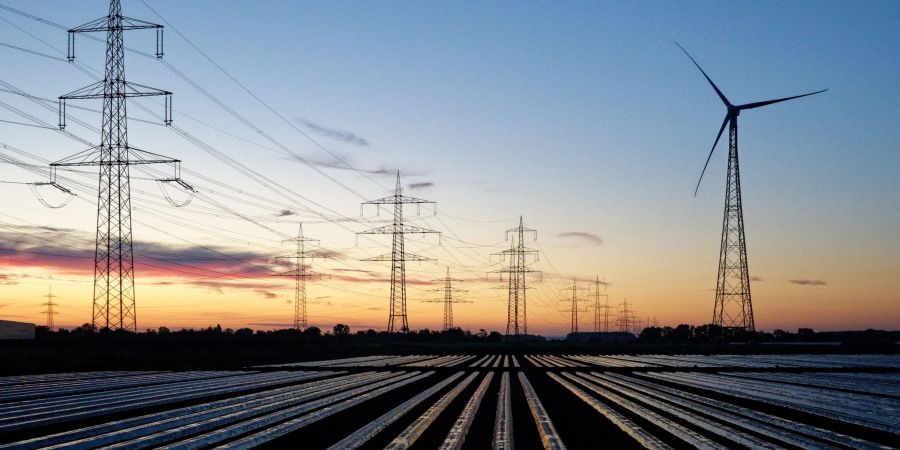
(581,116)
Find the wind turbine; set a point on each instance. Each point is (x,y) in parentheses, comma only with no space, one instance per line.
(733,308)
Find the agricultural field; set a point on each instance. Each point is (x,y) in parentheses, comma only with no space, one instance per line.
(497,401)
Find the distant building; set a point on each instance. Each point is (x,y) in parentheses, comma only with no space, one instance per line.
(16,330)
(614,337)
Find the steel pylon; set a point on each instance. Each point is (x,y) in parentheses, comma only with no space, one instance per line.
(398,319)
(300,273)
(518,255)
(448,290)
(114,296)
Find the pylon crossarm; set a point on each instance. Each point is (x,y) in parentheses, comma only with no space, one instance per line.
(298,273)
(98,91)
(394,199)
(404,229)
(389,257)
(115,23)
(102,25)
(92,157)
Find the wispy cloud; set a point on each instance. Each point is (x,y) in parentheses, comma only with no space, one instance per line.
(755,278)
(421,185)
(266,294)
(72,253)
(334,133)
(285,213)
(808,282)
(584,236)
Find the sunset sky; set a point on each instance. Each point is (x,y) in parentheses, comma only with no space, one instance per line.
(583,117)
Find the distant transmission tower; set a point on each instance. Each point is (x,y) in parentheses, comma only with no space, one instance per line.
(574,307)
(398,320)
(50,311)
(114,297)
(626,318)
(598,316)
(448,299)
(516,307)
(300,273)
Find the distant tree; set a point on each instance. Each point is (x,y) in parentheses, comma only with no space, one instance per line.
(164,330)
(495,336)
(312,332)
(805,332)
(651,334)
(482,334)
(84,329)
(681,334)
(243,332)
(341,330)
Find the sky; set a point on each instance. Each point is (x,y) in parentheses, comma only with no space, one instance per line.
(584,118)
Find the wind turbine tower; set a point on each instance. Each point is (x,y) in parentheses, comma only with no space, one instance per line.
(733,306)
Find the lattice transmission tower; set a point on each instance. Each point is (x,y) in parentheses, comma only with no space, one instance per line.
(601,311)
(518,255)
(627,320)
(50,311)
(448,290)
(575,299)
(300,273)
(114,296)
(397,318)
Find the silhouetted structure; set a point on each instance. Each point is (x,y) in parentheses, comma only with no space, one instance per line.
(50,311)
(448,300)
(627,321)
(516,312)
(114,296)
(598,317)
(574,307)
(398,256)
(733,306)
(300,273)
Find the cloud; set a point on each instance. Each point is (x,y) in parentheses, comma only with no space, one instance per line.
(72,253)
(421,185)
(808,282)
(8,280)
(334,133)
(584,236)
(285,213)
(346,163)
(325,253)
(266,294)
(755,278)
(367,272)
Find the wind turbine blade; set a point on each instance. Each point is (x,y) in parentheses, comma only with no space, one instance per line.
(727,116)
(721,95)
(769,102)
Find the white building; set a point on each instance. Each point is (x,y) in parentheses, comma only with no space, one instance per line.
(16,330)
